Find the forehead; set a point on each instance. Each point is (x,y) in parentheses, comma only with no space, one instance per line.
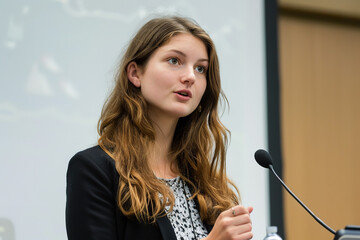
(185,42)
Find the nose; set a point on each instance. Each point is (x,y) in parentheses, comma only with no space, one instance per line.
(188,75)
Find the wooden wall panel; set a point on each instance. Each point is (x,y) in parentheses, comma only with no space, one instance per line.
(320,114)
(345,8)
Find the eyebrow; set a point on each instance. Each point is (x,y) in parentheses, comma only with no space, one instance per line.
(183,54)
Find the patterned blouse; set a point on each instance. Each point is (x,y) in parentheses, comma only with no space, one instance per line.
(187,224)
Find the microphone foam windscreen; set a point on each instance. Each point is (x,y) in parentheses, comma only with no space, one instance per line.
(263,158)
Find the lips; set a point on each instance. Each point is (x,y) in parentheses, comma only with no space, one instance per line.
(185,93)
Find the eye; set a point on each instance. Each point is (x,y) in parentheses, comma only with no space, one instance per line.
(173,61)
(200,69)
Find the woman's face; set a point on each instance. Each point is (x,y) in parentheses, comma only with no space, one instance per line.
(174,79)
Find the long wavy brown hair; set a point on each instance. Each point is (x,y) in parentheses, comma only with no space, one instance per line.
(199,144)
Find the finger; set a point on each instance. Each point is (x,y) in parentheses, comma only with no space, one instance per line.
(232,212)
(241,230)
(250,209)
(241,220)
(238,210)
(245,236)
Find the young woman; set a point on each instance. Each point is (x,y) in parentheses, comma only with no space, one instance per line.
(159,169)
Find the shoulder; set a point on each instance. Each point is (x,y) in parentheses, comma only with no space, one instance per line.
(92,161)
(95,156)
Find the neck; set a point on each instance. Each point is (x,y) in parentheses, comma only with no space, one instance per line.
(159,157)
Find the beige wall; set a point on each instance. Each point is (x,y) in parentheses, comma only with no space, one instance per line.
(320,114)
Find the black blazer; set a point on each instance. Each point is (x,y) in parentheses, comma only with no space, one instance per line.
(91,207)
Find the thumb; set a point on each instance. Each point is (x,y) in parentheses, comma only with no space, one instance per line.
(250,209)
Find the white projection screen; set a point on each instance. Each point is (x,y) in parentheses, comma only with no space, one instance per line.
(58,58)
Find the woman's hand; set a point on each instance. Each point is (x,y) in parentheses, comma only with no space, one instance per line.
(232,224)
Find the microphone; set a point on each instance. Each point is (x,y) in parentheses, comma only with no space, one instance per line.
(263,158)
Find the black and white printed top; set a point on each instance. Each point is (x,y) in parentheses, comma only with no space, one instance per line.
(185,217)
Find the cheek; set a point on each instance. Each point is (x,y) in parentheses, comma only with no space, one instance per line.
(160,78)
(155,86)
(202,89)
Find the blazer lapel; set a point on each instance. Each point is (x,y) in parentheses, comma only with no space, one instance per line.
(166,229)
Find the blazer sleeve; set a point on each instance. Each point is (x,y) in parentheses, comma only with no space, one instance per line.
(90,204)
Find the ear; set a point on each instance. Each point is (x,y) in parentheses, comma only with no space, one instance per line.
(133,73)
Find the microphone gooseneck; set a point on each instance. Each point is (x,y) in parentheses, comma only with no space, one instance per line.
(263,158)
